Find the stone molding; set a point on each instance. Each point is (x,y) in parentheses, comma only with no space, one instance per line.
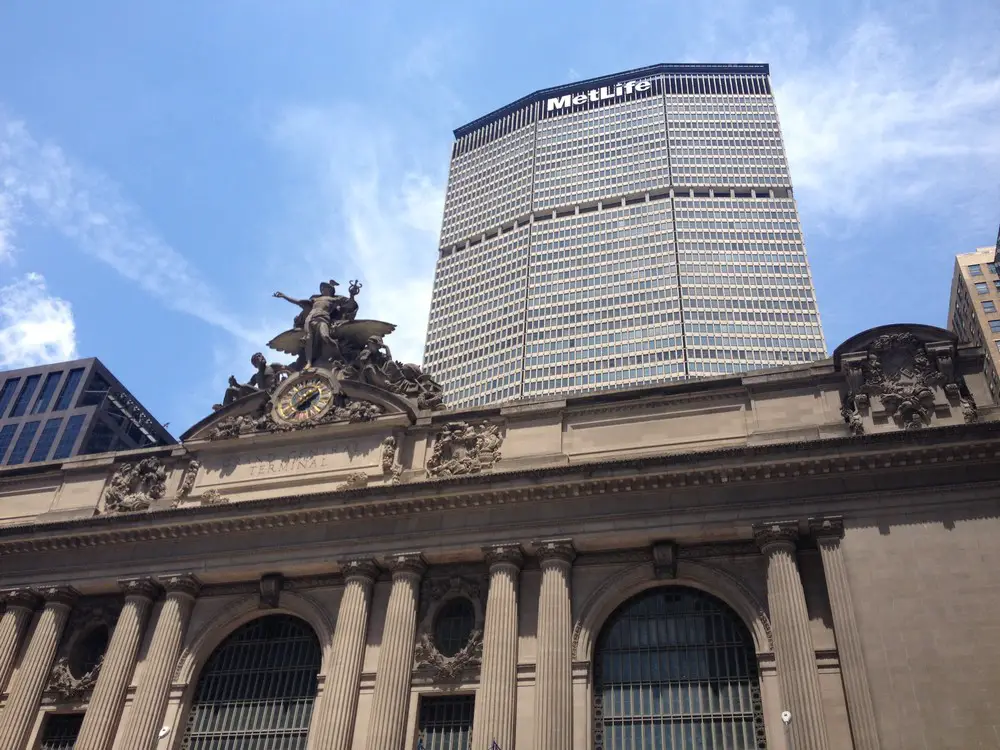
(360,568)
(380,501)
(554,551)
(509,554)
(776,535)
(827,530)
(146,588)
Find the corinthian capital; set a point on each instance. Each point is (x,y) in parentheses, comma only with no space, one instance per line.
(509,554)
(406,564)
(776,535)
(184,584)
(361,568)
(147,588)
(555,551)
(65,596)
(828,530)
(24,597)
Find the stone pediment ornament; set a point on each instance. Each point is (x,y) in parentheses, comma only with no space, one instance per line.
(461,448)
(343,372)
(134,486)
(901,368)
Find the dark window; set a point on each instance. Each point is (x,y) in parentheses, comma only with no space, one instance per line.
(981,287)
(676,668)
(257,689)
(28,430)
(87,652)
(65,400)
(993,268)
(446,722)
(102,439)
(989,306)
(996,284)
(95,391)
(45,440)
(995,326)
(48,390)
(6,435)
(61,731)
(454,625)
(68,439)
(7,393)
(976,270)
(24,397)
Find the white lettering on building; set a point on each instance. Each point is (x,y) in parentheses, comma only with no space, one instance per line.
(556,103)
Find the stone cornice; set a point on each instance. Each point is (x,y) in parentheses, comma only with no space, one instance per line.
(744,464)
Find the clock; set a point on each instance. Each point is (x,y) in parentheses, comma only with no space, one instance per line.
(303,399)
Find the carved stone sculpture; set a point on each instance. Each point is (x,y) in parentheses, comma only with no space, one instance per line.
(213,497)
(443,668)
(390,468)
(354,481)
(66,686)
(266,378)
(190,475)
(460,448)
(352,411)
(134,486)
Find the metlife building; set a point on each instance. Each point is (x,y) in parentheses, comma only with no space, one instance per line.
(621,231)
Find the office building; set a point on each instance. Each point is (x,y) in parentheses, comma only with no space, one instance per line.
(329,566)
(68,409)
(624,230)
(974,307)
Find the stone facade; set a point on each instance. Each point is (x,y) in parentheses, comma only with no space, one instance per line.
(845,510)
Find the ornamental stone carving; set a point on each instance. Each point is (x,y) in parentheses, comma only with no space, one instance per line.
(188,480)
(78,663)
(461,448)
(212,497)
(134,486)
(436,593)
(777,534)
(260,420)
(440,668)
(354,481)
(391,469)
(359,567)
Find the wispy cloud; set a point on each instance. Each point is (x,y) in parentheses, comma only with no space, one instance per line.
(35,326)
(386,214)
(868,117)
(39,182)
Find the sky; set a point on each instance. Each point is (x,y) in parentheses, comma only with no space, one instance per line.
(165,167)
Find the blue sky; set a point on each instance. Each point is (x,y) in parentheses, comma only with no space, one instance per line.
(164,167)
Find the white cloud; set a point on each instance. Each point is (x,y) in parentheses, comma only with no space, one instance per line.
(40,182)
(35,327)
(867,122)
(386,217)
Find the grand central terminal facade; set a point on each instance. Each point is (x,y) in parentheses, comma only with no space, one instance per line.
(801,558)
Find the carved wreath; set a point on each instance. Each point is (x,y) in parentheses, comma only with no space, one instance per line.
(448,668)
(99,613)
(436,593)
(461,448)
(69,688)
(134,486)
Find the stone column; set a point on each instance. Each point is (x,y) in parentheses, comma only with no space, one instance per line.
(554,670)
(793,644)
(390,700)
(828,532)
(21,604)
(332,726)
(100,722)
(143,728)
(26,688)
(496,701)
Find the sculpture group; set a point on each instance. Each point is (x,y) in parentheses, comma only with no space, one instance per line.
(326,335)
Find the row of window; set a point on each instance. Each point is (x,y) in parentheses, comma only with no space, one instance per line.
(976,269)
(43,447)
(44,398)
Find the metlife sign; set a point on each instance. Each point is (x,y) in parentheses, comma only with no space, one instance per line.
(568,102)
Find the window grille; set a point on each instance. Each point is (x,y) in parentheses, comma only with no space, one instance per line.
(61,731)
(676,668)
(446,722)
(257,689)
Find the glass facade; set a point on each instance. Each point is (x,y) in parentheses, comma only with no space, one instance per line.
(24,397)
(7,394)
(45,440)
(676,668)
(610,234)
(47,392)
(68,439)
(69,389)
(6,437)
(23,443)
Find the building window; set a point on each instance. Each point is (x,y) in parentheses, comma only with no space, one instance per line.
(989,306)
(675,667)
(95,392)
(995,326)
(45,440)
(28,430)
(993,268)
(24,397)
(6,435)
(453,626)
(446,722)
(981,287)
(65,447)
(7,393)
(257,689)
(45,395)
(65,400)
(61,731)
(975,270)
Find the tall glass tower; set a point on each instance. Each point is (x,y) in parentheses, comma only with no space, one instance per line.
(621,231)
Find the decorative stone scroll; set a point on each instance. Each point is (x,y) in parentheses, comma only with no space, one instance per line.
(461,448)
(134,486)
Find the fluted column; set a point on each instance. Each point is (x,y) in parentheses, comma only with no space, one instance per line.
(25,693)
(146,717)
(828,533)
(554,670)
(390,700)
(21,604)
(332,726)
(793,645)
(100,722)
(496,701)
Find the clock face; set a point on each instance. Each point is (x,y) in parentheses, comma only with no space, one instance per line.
(304,399)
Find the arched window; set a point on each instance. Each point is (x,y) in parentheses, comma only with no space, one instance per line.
(453,626)
(257,688)
(676,668)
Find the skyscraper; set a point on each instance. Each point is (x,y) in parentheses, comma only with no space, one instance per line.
(620,231)
(974,307)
